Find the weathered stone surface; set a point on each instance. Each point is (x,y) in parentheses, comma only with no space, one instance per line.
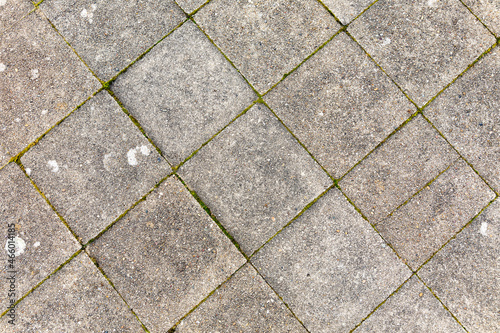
(38,251)
(255,177)
(398,169)
(91,171)
(42,81)
(245,303)
(13,10)
(330,266)
(166,255)
(340,110)
(465,273)
(412,309)
(109,35)
(266,39)
(183,92)
(467,115)
(347,10)
(190,5)
(422,44)
(488,12)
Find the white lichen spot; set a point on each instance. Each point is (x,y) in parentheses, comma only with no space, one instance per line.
(37,244)
(432,3)
(45,111)
(83,13)
(17,120)
(386,41)
(3,2)
(28,171)
(145,150)
(131,157)
(93,7)
(53,164)
(16,244)
(484,228)
(2,66)
(34,74)
(107,161)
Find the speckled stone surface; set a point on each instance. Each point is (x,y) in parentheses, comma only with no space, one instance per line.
(190,5)
(488,11)
(92,172)
(347,10)
(12,11)
(166,256)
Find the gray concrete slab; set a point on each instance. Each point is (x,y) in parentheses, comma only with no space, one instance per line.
(245,303)
(266,39)
(166,256)
(42,81)
(347,10)
(12,11)
(77,299)
(340,110)
(465,273)
(190,5)
(255,177)
(422,44)
(110,35)
(398,169)
(92,172)
(330,266)
(183,92)
(467,115)
(40,241)
(488,11)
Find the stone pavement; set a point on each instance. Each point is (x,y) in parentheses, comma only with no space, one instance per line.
(250,166)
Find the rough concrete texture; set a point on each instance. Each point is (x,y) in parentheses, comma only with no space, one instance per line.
(77,298)
(255,177)
(267,38)
(422,44)
(347,10)
(412,309)
(399,168)
(166,256)
(434,215)
(330,266)
(36,252)
(42,81)
(190,5)
(340,110)
(245,303)
(465,273)
(92,172)
(488,11)
(110,35)
(467,115)
(12,11)
(183,92)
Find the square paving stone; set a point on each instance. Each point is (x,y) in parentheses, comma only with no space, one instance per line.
(412,309)
(183,92)
(109,35)
(266,39)
(467,115)
(434,215)
(166,255)
(92,172)
(77,299)
(330,266)
(41,242)
(340,110)
(347,10)
(488,12)
(42,81)
(190,5)
(13,10)
(423,45)
(255,177)
(243,304)
(400,167)
(465,273)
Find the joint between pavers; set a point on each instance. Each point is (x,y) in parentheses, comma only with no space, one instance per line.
(331,13)
(364,10)
(470,10)
(442,303)
(17,22)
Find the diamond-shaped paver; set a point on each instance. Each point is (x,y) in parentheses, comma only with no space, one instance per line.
(166,255)
(267,38)
(42,81)
(37,250)
(243,304)
(412,309)
(434,215)
(330,266)
(407,161)
(109,35)
(347,10)
(340,110)
(13,10)
(422,44)
(467,115)
(183,92)
(94,165)
(488,12)
(255,177)
(77,299)
(190,5)
(465,274)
